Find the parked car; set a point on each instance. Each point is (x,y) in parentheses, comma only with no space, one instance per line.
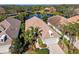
(3,38)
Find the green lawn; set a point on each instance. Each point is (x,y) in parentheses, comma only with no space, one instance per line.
(38,51)
(42,51)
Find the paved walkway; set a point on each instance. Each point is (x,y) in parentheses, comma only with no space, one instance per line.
(55,49)
(51,40)
(53,46)
(52,43)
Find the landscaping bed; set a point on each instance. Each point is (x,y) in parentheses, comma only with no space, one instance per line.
(42,51)
(41,44)
(38,51)
(67,47)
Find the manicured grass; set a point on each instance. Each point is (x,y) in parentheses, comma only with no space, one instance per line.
(42,51)
(38,51)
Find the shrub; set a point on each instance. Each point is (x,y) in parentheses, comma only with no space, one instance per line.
(2,17)
(40,42)
(15,46)
(18,46)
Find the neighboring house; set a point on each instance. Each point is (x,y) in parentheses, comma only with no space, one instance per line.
(2,10)
(13,29)
(4,25)
(50,9)
(9,29)
(73,19)
(37,22)
(76,11)
(57,20)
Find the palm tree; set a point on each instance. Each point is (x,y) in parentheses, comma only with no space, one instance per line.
(74,29)
(76,25)
(32,34)
(70,28)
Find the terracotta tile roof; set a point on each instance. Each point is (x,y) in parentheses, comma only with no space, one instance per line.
(73,19)
(57,20)
(36,22)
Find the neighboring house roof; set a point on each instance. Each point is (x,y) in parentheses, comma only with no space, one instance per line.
(36,22)
(73,19)
(50,9)
(11,29)
(57,20)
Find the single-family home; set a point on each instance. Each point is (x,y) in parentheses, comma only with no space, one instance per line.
(73,19)
(37,22)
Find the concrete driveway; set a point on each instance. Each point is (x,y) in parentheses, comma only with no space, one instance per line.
(53,46)
(4,49)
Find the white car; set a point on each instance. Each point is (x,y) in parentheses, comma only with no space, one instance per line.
(3,38)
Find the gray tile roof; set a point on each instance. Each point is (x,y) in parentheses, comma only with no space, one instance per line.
(11,26)
(13,30)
